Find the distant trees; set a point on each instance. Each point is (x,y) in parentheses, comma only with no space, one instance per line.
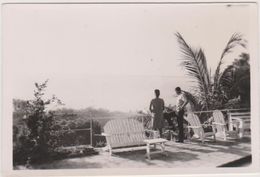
(88,112)
(213,91)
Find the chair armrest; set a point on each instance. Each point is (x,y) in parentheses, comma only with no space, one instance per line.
(215,123)
(147,130)
(105,134)
(235,122)
(194,127)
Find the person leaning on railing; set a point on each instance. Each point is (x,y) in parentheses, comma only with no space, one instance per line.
(181,102)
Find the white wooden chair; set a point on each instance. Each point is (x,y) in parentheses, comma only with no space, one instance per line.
(221,126)
(242,122)
(129,134)
(196,126)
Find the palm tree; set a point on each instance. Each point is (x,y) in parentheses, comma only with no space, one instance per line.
(208,91)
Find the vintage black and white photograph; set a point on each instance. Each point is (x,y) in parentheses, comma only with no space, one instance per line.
(125,85)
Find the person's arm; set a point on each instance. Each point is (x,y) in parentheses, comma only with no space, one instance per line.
(163,105)
(151,105)
(185,101)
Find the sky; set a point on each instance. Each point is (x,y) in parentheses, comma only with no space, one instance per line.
(112,56)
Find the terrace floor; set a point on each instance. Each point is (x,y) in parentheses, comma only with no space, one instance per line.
(194,153)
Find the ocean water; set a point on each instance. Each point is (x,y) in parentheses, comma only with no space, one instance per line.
(115,93)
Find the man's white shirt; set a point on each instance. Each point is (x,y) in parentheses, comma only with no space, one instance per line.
(181,99)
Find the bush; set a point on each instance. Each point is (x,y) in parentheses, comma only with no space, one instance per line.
(37,132)
(42,136)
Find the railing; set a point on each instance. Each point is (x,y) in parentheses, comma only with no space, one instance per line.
(223,110)
(94,137)
(143,118)
(90,129)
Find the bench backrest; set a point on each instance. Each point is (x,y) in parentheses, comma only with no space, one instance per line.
(193,120)
(124,133)
(218,117)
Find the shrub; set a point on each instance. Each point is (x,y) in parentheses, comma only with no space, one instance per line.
(42,135)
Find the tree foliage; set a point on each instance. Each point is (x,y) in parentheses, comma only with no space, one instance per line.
(235,80)
(41,138)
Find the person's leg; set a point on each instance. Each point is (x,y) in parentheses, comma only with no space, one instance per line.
(180,125)
(154,126)
(178,122)
(160,131)
(174,118)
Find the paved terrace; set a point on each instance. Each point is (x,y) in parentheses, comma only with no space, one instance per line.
(189,154)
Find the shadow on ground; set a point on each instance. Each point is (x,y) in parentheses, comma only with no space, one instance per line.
(190,154)
(169,157)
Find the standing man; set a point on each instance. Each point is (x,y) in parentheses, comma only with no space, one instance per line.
(157,107)
(181,102)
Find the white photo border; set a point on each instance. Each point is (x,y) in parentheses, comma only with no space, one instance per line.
(6,108)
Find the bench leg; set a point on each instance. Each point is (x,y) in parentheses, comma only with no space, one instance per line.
(202,137)
(225,136)
(230,125)
(110,150)
(163,149)
(148,155)
(241,134)
(203,140)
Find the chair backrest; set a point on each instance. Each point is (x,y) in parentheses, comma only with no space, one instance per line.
(243,116)
(193,120)
(124,132)
(218,117)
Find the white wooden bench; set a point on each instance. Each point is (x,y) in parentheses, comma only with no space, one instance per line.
(129,134)
(243,119)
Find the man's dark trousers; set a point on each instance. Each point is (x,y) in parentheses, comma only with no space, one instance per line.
(180,125)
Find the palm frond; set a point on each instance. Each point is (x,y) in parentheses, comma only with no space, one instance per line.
(227,79)
(193,100)
(235,40)
(194,61)
(227,74)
